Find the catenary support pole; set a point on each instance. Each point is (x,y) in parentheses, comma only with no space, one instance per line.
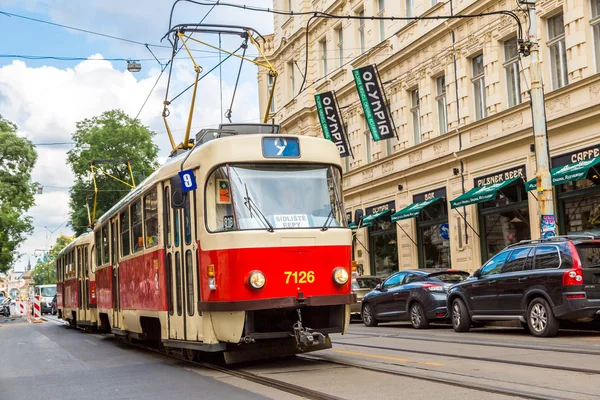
(543,177)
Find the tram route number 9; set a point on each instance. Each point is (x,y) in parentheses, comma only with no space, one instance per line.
(188,181)
(299,277)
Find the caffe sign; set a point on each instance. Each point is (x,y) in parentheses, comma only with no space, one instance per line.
(576,156)
(500,177)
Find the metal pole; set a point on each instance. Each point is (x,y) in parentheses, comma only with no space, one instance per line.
(543,177)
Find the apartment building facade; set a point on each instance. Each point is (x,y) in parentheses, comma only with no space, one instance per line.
(458,94)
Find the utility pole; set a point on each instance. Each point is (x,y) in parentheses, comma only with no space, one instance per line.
(542,158)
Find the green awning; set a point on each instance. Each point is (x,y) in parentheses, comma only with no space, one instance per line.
(369,219)
(481,194)
(352,226)
(413,210)
(568,173)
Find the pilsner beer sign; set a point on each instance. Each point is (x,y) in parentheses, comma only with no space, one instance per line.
(331,122)
(373,102)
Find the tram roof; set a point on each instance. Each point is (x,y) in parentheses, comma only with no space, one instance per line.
(230,149)
(84,238)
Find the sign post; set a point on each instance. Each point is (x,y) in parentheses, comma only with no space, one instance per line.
(372,98)
(332,123)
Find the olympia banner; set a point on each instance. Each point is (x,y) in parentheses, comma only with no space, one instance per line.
(331,122)
(373,102)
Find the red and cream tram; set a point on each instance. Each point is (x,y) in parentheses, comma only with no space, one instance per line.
(253,260)
(76,284)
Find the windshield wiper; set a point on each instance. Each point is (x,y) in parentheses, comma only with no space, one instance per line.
(326,224)
(248,202)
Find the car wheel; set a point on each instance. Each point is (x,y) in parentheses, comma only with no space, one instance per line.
(461,322)
(540,319)
(368,316)
(417,316)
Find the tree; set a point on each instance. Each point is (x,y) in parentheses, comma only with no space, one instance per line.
(44,273)
(17,158)
(111,136)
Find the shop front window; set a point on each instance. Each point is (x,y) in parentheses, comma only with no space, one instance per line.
(580,207)
(383,247)
(504,220)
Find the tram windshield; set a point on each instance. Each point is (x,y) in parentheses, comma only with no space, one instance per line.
(274,196)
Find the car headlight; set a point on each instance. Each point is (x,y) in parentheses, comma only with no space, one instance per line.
(340,275)
(257,279)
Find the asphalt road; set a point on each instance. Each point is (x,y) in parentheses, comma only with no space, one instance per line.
(48,361)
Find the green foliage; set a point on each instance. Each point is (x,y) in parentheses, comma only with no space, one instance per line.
(45,273)
(17,158)
(111,136)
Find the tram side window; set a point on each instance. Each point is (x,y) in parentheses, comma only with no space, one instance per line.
(189,269)
(187,221)
(136,226)
(78,261)
(85,260)
(105,253)
(98,248)
(219,211)
(151,218)
(125,243)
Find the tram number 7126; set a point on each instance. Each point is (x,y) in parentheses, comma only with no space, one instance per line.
(299,277)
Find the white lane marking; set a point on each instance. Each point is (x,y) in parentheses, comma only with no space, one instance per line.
(90,342)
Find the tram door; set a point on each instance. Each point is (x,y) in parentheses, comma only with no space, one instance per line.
(116,296)
(81,292)
(180,254)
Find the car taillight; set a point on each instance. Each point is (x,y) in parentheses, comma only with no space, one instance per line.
(574,276)
(433,288)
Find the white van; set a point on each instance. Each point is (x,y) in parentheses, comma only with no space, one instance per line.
(46,293)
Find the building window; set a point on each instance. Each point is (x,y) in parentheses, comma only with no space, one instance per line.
(381,13)
(595,21)
(368,147)
(440,99)
(416,115)
(479,87)
(292,79)
(339,34)
(410,5)
(323,47)
(558,52)
(511,68)
(361,31)
(270,81)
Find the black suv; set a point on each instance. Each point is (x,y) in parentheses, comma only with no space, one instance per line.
(538,282)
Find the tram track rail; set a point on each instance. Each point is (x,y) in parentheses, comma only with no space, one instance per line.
(523,394)
(475,358)
(557,349)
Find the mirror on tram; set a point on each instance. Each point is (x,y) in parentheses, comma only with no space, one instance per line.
(358,214)
(177,195)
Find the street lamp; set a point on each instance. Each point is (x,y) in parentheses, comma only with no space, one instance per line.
(133,66)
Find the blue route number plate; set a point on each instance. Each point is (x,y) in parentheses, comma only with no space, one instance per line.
(281,147)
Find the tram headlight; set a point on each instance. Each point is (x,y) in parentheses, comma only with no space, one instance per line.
(257,279)
(340,275)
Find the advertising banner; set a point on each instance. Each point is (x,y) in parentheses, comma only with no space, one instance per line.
(374,104)
(331,122)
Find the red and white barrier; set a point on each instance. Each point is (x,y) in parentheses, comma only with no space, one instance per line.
(37,309)
(21,308)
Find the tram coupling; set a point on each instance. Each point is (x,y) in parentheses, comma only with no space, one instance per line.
(306,337)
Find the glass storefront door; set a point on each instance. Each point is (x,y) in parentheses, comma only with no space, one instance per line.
(433,240)
(579,207)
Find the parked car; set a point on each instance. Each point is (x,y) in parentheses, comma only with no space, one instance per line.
(53,306)
(537,282)
(415,295)
(362,285)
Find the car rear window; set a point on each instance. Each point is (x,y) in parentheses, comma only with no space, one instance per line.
(452,277)
(366,283)
(589,255)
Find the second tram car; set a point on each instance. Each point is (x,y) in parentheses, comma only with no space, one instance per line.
(239,245)
(76,283)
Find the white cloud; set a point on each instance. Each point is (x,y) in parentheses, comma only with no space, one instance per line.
(47,102)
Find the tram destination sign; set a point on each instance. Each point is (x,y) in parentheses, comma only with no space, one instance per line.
(331,122)
(374,103)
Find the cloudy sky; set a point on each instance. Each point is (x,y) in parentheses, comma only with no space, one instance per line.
(46,97)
